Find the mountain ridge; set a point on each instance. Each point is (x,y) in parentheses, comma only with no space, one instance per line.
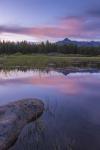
(67,41)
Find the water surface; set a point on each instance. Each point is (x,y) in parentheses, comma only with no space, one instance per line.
(71,120)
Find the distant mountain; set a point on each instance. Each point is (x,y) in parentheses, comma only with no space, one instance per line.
(67,41)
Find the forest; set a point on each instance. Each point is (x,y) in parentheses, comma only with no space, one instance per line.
(46,48)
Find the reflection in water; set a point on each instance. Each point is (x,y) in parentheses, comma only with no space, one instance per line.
(72,109)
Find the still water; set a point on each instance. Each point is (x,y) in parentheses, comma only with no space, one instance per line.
(71,120)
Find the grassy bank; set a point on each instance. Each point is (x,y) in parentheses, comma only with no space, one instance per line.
(41,61)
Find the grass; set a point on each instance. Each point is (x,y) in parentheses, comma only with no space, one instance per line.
(42,61)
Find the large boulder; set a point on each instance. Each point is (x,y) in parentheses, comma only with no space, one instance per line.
(14,116)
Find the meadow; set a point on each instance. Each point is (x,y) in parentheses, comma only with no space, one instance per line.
(42,61)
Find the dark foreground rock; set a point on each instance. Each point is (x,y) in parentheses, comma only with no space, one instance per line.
(14,116)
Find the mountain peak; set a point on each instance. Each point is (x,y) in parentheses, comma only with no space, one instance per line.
(67,40)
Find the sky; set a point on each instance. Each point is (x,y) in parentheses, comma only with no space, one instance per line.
(53,20)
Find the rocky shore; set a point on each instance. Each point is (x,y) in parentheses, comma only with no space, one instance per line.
(14,116)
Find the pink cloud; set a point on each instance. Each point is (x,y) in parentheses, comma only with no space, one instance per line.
(76,27)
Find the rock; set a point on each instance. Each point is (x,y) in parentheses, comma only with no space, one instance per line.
(14,116)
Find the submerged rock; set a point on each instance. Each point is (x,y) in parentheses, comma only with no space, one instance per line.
(14,116)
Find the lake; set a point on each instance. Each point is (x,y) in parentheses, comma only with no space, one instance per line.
(71,120)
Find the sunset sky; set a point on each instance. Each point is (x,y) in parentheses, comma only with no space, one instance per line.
(41,20)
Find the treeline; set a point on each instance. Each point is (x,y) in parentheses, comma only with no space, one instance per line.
(46,48)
